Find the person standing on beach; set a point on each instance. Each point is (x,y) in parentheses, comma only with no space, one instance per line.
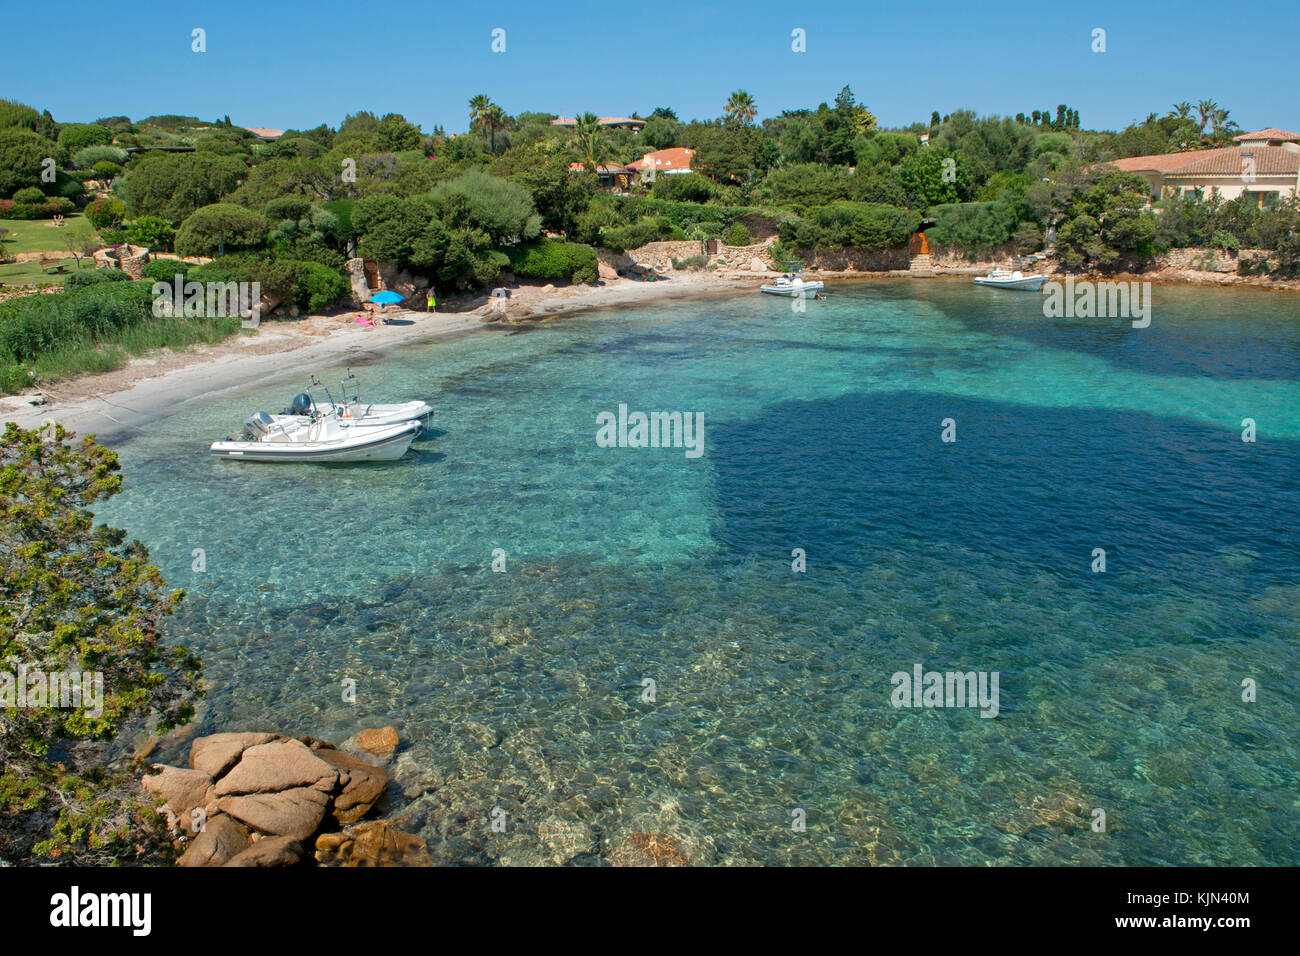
(431,303)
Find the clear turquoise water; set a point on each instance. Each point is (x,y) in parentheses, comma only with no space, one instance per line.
(522,690)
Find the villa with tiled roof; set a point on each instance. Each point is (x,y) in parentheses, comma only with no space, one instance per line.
(1265,165)
(623,122)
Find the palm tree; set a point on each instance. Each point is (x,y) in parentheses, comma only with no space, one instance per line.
(590,142)
(478,110)
(1205,110)
(1182,110)
(740,108)
(494,118)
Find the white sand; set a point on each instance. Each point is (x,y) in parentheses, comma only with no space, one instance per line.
(153,387)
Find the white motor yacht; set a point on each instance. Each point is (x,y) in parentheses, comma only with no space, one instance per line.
(1001,278)
(791,285)
(321,439)
(350,411)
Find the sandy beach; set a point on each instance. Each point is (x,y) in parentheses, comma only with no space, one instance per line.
(153,386)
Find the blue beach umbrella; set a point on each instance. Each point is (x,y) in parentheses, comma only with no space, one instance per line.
(386,297)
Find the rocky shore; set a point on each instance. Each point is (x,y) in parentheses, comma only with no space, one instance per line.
(263,799)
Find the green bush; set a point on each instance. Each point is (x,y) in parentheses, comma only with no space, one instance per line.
(974,226)
(88,157)
(106,169)
(34,325)
(309,285)
(319,287)
(851,225)
(82,280)
(29,196)
(649,229)
(212,230)
(287,207)
(104,213)
(166,270)
(684,187)
(738,235)
(553,259)
(1226,242)
(153,232)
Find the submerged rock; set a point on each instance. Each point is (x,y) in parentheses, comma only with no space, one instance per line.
(376,742)
(565,839)
(371,844)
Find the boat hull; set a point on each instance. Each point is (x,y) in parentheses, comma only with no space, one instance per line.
(379,416)
(792,290)
(1023,284)
(370,444)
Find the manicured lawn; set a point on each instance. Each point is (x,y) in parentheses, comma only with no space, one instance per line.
(30,273)
(38,235)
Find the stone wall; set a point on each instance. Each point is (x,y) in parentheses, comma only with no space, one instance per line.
(130,259)
(660,255)
(858,260)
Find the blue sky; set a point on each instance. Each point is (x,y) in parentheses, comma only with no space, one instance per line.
(286,65)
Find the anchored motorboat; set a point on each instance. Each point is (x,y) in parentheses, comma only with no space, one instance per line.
(790,284)
(321,439)
(1001,278)
(351,411)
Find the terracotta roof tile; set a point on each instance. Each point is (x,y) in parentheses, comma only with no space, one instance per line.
(1228,161)
(1270,133)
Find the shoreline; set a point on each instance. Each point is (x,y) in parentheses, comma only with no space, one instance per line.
(151,387)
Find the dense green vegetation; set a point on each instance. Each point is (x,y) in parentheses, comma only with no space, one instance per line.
(76,597)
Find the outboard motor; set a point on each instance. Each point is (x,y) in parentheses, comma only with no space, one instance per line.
(301,405)
(257,426)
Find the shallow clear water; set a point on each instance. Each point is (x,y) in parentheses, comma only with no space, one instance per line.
(524,690)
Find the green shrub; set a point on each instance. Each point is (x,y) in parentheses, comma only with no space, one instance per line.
(1226,242)
(88,157)
(287,207)
(106,169)
(649,229)
(309,285)
(82,280)
(319,287)
(153,232)
(35,325)
(693,263)
(553,259)
(738,235)
(684,187)
(166,270)
(29,196)
(213,229)
(104,213)
(851,225)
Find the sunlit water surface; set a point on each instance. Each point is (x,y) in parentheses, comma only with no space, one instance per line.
(525,690)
